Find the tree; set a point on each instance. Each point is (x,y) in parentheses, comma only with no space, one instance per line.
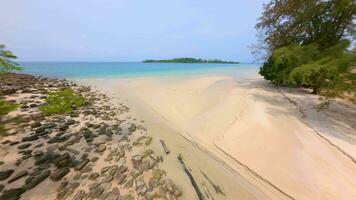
(303,22)
(307,42)
(6,65)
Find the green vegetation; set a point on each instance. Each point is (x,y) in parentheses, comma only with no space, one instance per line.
(6,107)
(6,65)
(190,60)
(307,44)
(63,101)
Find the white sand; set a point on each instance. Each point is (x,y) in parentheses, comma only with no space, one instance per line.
(252,141)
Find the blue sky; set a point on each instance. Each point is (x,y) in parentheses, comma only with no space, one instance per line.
(129,30)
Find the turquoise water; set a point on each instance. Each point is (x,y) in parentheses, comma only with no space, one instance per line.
(128,69)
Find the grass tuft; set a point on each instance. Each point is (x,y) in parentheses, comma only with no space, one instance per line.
(63,101)
(6,107)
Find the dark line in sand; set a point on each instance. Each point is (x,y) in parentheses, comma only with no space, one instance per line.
(254,173)
(216,187)
(192,180)
(314,130)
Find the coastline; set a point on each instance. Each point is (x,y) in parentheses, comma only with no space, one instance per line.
(217,136)
(247,127)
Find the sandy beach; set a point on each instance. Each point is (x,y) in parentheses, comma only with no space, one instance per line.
(244,138)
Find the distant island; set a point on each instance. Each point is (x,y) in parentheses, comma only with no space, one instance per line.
(190,60)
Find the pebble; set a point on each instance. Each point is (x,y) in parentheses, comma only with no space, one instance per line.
(12,194)
(58,174)
(24,146)
(5,174)
(32,182)
(18,176)
(100,148)
(81,164)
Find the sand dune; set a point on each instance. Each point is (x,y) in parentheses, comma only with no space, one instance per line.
(252,128)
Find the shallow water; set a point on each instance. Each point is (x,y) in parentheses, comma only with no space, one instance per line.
(79,70)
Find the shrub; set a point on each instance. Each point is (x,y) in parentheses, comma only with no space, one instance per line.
(63,101)
(309,66)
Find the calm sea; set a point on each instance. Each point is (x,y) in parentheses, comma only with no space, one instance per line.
(77,70)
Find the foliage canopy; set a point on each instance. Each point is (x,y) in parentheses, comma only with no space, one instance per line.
(303,22)
(6,65)
(191,60)
(307,42)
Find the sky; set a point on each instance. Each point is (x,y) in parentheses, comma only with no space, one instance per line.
(129,30)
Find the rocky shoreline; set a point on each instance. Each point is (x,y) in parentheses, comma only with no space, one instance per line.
(95,152)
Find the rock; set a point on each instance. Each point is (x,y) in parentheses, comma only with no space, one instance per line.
(18,176)
(88,135)
(24,146)
(32,182)
(62,161)
(177,192)
(44,166)
(48,125)
(5,174)
(153,183)
(121,178)
(128,197)
(93,176)
(33,105)
(63,127)
(37,153)
(132,128)
(73,151)
(35,124)
(52,147)
(106,179)
(106,186)
(77,176)
(30,138)
(81,194)
(147,165)
(111,196)
(100,148)
(12,194)
(59,173)
(14,143)
(158,173)
(96,192)
(74,114)
(135,173)
(139,183)
(104,169)
(116,191)
(86,169)
(94,159)
(81,164)
(108,159)
(148,196)
(93,185)
(136,161)
(38,145)
(142,190)
(121,169)
(169,186)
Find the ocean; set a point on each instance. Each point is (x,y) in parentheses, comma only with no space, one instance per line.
(79,70)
